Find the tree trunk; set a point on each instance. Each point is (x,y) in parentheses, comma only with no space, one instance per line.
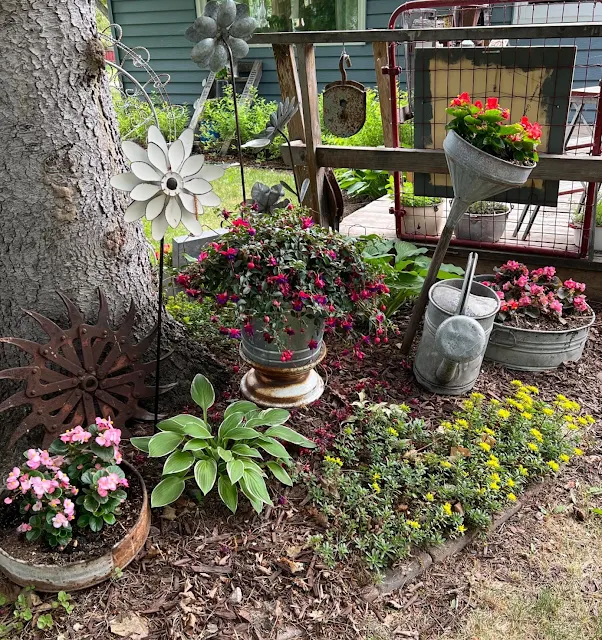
(61,223)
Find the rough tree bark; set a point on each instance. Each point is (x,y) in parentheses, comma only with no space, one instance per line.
(61,223)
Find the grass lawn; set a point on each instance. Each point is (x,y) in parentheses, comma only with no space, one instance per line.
(228,189)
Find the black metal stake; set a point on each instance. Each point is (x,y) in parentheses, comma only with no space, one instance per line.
(238,139)
(159,315)
(290,150)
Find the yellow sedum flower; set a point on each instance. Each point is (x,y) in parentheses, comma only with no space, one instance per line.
(447,509)
(393,432)
(376,487)
(494,485)
(547,411)
(468,405)
(485,446)
(461,529)
(446,464)
(332,460)
(504,414)
(537,435)
(493,462)
(533,446)
(511,497)
(404,407)
(510,482)
(561,398)
(462,423)
(446,424)
(523,470)
(495,477)
(577,451)
(589,418)
(564,458)
(488,431)
(429,497)
(516,383)
(531,389)
(582,421)
(494,401)
(553,465)
(413,523)
(526,415)
(376,476)
(477,397)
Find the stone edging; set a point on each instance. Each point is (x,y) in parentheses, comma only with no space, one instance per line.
(398,577)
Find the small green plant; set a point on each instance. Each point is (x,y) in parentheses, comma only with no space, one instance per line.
(231,457)
(579,214)
(199,316)
(484,207)
(24,612)
(408,199)
(45,621)
(405,267)
(363,182)
(63,600)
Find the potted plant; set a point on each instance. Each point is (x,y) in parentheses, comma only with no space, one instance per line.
(421,213)
(483,221)
(61,510)
(542,321)
(289,281)
(230,457)
(577,226)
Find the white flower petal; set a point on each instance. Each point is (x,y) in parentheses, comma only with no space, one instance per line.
(187,138)
(191,223)
(145,172)
(211,172)
(197,186)
(145,191)
(157,158)
(134,152)
(188,202)
(173,213)
(135,211)
(193,165)
(124,181)
(155,206)
(210,199)
(155,136)
(176,155)
(159,227)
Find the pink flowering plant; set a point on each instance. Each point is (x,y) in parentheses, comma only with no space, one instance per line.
(278,268)
(537,293)
(486,128)
(77,481)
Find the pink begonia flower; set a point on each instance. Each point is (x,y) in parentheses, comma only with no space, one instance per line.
(63,479)
(109,437)
(104,423)
(33,458)
(536,289)
(69,508)
(54,503)
(76,435)
(8,500)
(555,305)
(108,483)
(26,507)
(522,281)
(59,521)
(12,482)
(25,483)
(37,506)
(23,528)
(579,303)
(45,458)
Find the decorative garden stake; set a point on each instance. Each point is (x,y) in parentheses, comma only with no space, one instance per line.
(485,157)
(100,373)
(220,35)
(169,187)
(267,199)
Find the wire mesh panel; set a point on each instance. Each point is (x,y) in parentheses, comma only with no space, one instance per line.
(554,81)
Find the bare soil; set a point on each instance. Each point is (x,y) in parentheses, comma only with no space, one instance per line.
(545,323)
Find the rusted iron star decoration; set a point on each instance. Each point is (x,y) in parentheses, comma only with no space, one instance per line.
(81,373)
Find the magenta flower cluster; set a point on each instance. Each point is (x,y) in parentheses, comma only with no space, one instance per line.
(78,475)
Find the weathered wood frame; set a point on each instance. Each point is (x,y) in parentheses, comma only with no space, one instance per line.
(310,154)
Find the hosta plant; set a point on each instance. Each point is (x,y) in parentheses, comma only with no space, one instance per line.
(233,456)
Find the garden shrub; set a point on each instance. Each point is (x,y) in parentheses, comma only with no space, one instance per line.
(363,182)
(391,482)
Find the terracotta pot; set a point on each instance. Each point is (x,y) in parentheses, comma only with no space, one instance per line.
(52,578)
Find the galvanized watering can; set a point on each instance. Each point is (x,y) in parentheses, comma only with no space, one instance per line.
(457,325)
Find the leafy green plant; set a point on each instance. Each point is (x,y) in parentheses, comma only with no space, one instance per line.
(579,214)
(392,481)
(24,612)
(363,182)
(484,207)
(231,457)
(405,267)
(408,199)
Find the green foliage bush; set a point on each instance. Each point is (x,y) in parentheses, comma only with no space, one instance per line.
(392,482)
(363,182)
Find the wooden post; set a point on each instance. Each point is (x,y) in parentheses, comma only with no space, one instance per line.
(288,78)
(313,135)
(381,59)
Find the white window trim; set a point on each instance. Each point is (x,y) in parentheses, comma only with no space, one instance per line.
(362,17)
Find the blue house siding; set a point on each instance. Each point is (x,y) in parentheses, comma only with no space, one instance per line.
(159,26)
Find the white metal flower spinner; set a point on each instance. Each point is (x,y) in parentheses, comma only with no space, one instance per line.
(166,183)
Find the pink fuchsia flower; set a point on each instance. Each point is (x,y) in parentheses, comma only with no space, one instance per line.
(183,280)
(286,355)
(319,282)
(556,306)
(312,344)
(24,528)
(272,261)
(234,333)
(222,298)
(248,329)
(202,256)
(34,459)
(229,253)
(110,437)
(240,222)
(307,222)
(60,520)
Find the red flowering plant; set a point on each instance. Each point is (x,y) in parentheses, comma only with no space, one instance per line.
(77,481)
(537,293)
(279,267)
(486,129)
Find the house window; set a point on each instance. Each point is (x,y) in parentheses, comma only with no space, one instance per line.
(308,15)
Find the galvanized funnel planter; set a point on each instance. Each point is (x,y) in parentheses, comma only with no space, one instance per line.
(286,385)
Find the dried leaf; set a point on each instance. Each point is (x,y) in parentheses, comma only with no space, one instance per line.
(130,626)
(290,566)
(459,451)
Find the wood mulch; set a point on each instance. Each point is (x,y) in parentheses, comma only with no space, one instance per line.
(208,574)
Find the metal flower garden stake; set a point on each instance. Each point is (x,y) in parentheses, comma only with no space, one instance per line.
(221,35)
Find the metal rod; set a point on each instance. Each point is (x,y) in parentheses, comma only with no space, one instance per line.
(159,318)
(290,150)
(238,139)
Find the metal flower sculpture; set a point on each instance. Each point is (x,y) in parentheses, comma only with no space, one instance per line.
(166,183)
(267,199)
(276,124)
(223,26)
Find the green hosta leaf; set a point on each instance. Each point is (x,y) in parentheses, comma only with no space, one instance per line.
(163,443)
(284,433)
(198,429)
(246,451)
(243,433)
(254,467)
(235,469)
(205,472)
(256,486)
(178,461)
(141,443)
(228,493)
(202,392)
(256,503)
(231,422)
(195,445)
(186,424)
(242,406)
(273,447)
(167,491)
(224,454)
(279,473)
(172,425)
(274,416)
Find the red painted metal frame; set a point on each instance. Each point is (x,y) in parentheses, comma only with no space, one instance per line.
(393,70)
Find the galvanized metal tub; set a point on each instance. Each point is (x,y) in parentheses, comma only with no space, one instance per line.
(428,358)
(423,221)
(482,227)
(52,578)
(535,350)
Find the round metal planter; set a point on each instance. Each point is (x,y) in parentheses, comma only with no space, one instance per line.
(52,578)
(482,227)
(273,383)
(423,221)
(535,350)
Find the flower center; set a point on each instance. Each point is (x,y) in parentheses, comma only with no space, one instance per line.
(172,183)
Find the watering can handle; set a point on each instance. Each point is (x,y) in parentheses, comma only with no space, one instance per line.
(467,286)
(345,59)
